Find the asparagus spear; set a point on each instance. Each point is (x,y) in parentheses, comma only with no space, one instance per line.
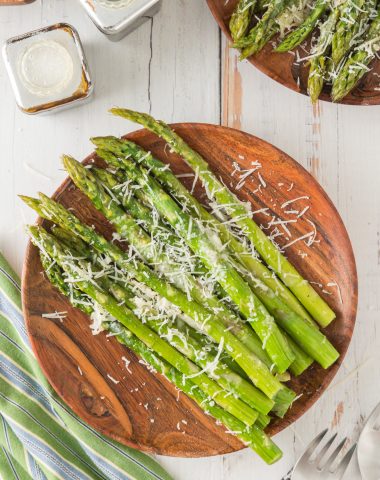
(81,249)
(356,66)
(353,17)
(149,308)
(252,437)
(306,335)
(190,346)
(258,373)
(292,15)
(193,350)
(242,253)
(78,273)
(242,331)
(241,17)
(237,210)
(318,61)
(296,37)
(231,281)
(145,245)
(302,360)
(253,42)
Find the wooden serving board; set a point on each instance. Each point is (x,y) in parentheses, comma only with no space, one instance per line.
(143,410)
(15,2)
(283,68)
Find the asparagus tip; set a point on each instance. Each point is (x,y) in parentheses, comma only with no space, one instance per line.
(67,161)
(121,112)
(30,201)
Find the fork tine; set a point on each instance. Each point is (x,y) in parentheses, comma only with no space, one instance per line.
(321,454)
(342,467)
(312,446)
(329,461)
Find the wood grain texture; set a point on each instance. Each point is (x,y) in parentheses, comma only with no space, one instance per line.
(118,409)
(15,2)
(285,69)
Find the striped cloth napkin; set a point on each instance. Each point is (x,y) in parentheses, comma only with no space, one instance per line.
(40,437)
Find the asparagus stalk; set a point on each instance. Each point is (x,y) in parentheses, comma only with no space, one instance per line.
(242,331)
(78,273)
(193,350)
(353,17)
(258,373)
(81,249)
(292,15)
(147,247)
(241,17)
(307,336)
(356,66)
(302,360)
(252,437)
(296,37)
(253,42)
(231,281)
(237,210)
(242,253)
(188,345)
(318,61)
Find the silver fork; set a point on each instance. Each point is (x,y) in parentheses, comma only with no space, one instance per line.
(317,466)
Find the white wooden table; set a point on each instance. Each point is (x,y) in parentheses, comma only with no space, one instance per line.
(179,67)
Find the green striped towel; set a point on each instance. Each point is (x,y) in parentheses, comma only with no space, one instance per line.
(40,437)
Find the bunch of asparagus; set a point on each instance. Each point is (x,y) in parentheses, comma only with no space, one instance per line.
(223,315)
(345,37)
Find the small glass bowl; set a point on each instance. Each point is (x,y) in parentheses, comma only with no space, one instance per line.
(48,69)
(117,18)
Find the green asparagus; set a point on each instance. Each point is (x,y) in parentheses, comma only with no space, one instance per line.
(354,14)
(258,373)
(237,210)
(252,437)
(231,281)
(243,253)
(147,248)
(253,42)
(241,17)
(143,306)
(318,61)
(78,273)
(242,331)
(296,37)
(357,65)
(292,15)
(306,335)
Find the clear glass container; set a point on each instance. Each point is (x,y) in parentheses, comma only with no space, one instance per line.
(117,18)
(48,69)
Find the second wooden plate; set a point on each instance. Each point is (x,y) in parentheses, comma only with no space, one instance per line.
(283,68)
(143,410)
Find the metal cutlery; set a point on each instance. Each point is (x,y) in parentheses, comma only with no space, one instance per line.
(318,465)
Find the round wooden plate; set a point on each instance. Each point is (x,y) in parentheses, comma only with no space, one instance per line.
(283,68)
(143,410)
